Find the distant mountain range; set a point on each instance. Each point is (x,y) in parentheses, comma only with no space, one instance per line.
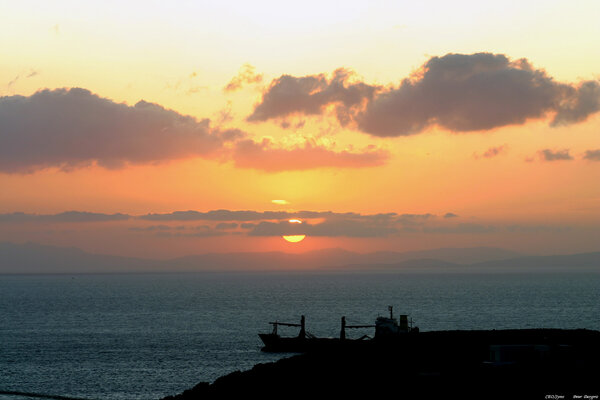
(35,258)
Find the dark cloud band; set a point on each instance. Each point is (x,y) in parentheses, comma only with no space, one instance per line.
(274,223)
(67,216)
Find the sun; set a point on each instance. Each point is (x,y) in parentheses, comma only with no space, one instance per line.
(294,238)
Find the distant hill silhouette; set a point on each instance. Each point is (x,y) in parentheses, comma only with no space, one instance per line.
(36,258)
(343,259)
(571,262)
(589,261)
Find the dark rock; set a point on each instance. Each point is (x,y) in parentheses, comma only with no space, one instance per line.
(507,364)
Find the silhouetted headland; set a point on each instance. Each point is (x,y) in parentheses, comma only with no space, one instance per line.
(482,364)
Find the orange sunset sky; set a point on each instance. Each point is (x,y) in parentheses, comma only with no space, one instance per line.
(159,129)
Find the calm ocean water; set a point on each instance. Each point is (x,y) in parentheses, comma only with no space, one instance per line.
(148,336)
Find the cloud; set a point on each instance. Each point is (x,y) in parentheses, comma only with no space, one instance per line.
(276,223)
(310,95)
(253,223)
(536,228)
(266,228)
(226,225)
(352,228)
(246,75)
(186,85)
(217,215)
(225,115)
(12,82)
(558,155)
(287,124)
(584,101)
(22,75)
(247,216)
(72,128)
(344,224)
(492,152)
(69,128)
(414,216)
(329,228)
(150,228)
(464,228)
(199,231)
(336,224)
(592,155)
(464,93)
(457,92)
(414,219)
(67,216)
(267,157)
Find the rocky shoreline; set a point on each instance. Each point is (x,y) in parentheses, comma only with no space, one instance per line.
(508,364)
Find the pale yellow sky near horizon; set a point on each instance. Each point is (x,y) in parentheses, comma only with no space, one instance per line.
(182,54)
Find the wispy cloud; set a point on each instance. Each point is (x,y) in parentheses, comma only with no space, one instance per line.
(555,155)
(463,228)
(492,152)
(67,216)
(199,232)
(23,75)
(266,156)
(150,228)
(246,75)
(329,228)
(592,155)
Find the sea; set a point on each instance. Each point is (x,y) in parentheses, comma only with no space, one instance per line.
(147,336)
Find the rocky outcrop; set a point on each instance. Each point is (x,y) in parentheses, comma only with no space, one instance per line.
(528,364)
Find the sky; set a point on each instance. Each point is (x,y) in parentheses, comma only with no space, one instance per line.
(160,129)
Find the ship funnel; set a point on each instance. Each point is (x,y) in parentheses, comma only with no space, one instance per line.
(404,323)
(302,333)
